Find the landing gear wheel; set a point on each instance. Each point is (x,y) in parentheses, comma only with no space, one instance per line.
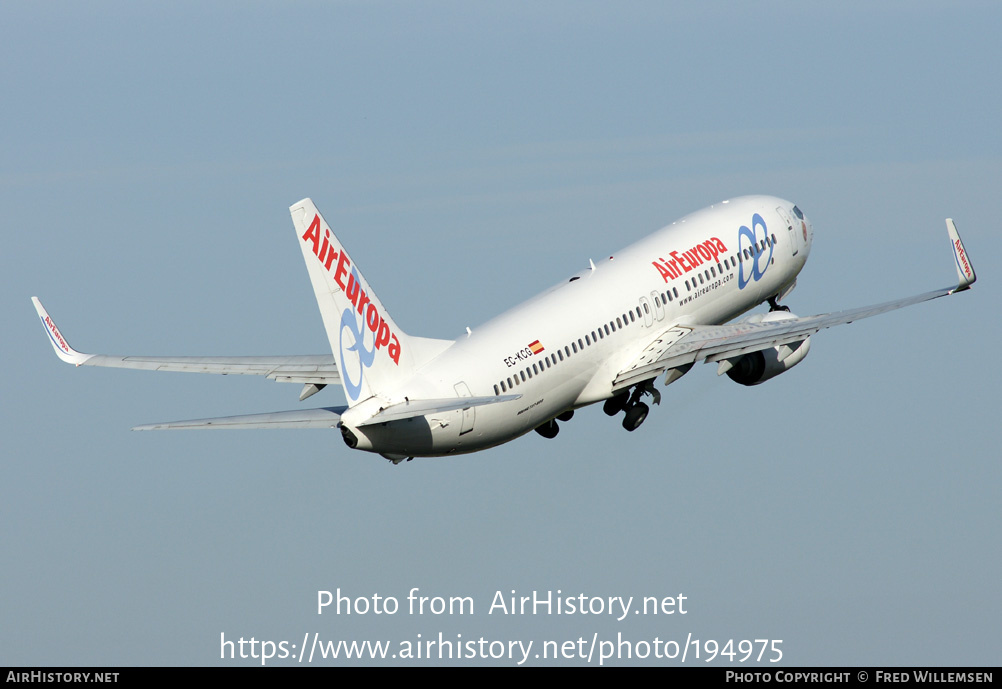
(635,416)
(614,405)
(548,429)
(566,416)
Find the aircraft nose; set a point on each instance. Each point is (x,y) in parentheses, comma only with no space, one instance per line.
(806,228)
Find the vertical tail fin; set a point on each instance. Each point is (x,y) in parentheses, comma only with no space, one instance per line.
(373,354)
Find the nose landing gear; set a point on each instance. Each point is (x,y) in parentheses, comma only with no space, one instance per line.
(774,304)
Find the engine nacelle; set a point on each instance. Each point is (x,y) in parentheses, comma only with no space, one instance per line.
(757,367)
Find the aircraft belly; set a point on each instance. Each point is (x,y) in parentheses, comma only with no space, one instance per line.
(443,434)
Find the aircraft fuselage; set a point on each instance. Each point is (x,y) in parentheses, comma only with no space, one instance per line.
(562,349)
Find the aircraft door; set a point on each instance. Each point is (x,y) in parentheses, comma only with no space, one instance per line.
(659,307)
(645,307)
(469,413)
(788,221)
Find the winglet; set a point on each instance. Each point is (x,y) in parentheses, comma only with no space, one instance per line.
(965,271)
(59,343)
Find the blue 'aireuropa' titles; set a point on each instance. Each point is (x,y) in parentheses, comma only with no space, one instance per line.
(749,237)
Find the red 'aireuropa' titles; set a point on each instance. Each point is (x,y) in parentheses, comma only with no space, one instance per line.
(56,334)
(327,255)
(688,260)
(959,248)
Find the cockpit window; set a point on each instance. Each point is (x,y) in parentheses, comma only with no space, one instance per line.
(797,212)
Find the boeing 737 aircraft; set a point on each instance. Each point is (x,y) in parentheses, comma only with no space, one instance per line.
(604,335)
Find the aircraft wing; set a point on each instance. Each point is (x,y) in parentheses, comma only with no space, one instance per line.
(680,345)
(316,369)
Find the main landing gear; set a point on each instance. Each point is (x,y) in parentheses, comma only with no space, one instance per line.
(550,428)
(635,416)
(636,411)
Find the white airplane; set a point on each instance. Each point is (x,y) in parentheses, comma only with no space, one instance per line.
(604,335)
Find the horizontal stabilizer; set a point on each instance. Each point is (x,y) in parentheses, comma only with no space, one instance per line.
(325,417)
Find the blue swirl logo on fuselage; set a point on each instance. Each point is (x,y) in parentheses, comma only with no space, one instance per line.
(748,239)
(365,356)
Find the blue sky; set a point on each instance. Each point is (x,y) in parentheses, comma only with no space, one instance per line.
(470,155)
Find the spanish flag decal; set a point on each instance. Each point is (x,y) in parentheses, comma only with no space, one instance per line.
(535,347)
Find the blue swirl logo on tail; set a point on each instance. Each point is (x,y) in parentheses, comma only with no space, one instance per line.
(365,355)
(748,238)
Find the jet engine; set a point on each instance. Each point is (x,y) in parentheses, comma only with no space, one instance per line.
(757,367)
